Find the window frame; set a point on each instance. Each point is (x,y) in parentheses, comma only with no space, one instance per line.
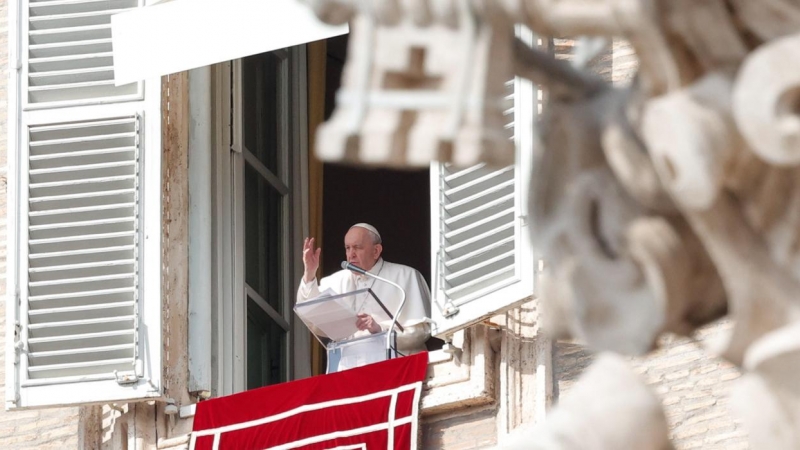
(230,160)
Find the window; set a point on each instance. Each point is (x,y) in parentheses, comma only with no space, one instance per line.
(481,259)
(84,214)
(259,188)
(264,92)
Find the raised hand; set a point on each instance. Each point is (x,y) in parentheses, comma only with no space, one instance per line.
(310,260)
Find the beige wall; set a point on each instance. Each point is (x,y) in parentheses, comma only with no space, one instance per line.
(469,429)
(692,384)
(42,429)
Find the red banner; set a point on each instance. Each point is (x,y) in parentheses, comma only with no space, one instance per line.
(370,407)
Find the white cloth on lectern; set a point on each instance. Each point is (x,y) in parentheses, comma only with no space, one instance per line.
(418,298)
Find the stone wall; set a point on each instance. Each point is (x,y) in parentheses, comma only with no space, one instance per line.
(39,429)
(693,386)
(470,428)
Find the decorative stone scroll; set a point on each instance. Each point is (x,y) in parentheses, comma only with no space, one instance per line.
(425,86)
(660,206)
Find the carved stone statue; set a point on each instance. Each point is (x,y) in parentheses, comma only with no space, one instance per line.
(660,206)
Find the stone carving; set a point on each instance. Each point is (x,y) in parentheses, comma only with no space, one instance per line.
(660,206)
(429,86)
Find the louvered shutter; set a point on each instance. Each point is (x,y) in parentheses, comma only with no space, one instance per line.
(69,59)
(84,214)
(482,259)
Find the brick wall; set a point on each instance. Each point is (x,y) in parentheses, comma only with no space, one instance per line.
(42,429)
(693,387)
(469,428)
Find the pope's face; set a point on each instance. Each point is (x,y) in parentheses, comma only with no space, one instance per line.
(360,249)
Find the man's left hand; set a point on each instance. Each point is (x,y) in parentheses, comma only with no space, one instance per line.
(366,322)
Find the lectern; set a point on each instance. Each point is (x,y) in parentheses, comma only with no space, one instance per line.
(332,320)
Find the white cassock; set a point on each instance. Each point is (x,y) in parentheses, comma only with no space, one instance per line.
(418,298)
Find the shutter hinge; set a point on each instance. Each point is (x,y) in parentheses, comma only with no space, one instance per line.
(130,377)
(16,58)
(523,220)
(449,309)
(229,126)
(19,345)
(125,378)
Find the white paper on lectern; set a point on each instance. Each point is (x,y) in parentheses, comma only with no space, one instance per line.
(335,319)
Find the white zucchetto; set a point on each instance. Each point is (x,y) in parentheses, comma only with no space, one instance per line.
(370,228)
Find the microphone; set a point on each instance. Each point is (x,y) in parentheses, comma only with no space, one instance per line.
(348,266)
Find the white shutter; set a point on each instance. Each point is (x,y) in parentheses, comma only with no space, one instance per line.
(482,258)
(69,53)
(84,214)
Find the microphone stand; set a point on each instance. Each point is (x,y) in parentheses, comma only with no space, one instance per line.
(354,268)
